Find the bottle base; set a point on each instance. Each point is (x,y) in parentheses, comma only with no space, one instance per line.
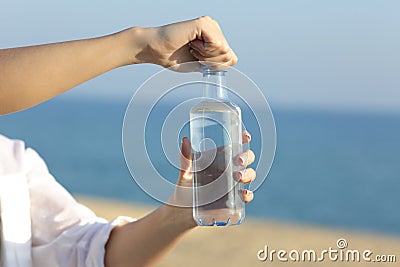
(211,220)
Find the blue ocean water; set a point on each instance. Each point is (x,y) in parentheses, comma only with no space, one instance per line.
(332,169)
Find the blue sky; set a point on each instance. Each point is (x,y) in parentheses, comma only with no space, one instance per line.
(303,54)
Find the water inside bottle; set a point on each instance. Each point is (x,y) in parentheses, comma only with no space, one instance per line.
(216,134)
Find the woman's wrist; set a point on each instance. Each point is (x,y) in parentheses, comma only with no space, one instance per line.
(134,45)
(180,217)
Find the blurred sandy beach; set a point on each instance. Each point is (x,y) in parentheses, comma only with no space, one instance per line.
(238,246)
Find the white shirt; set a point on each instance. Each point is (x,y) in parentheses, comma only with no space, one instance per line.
(42,224)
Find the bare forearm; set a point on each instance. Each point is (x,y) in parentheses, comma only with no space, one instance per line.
(30,75)
(144,242)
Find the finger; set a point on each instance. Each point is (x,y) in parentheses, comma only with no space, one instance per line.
(225,60)
(183,194)
(246,176)
(199,45)
(210,50)
(201,52)
(246,137)
(246,158)
(247,195)
(215,65)
(212,33)
(185,174)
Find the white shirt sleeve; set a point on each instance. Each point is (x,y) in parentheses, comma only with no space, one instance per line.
(64,232)
(15,235)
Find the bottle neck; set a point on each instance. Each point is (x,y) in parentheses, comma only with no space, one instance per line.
(215,84)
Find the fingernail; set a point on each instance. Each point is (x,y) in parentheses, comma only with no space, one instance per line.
(248,136)
(242,160)
(246,192)
(240,175)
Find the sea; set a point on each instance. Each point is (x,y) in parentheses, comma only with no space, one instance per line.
(333,169)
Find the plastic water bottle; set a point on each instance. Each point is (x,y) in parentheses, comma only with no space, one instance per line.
(216,137)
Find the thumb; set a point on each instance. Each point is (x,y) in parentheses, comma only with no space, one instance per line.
(185,174)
